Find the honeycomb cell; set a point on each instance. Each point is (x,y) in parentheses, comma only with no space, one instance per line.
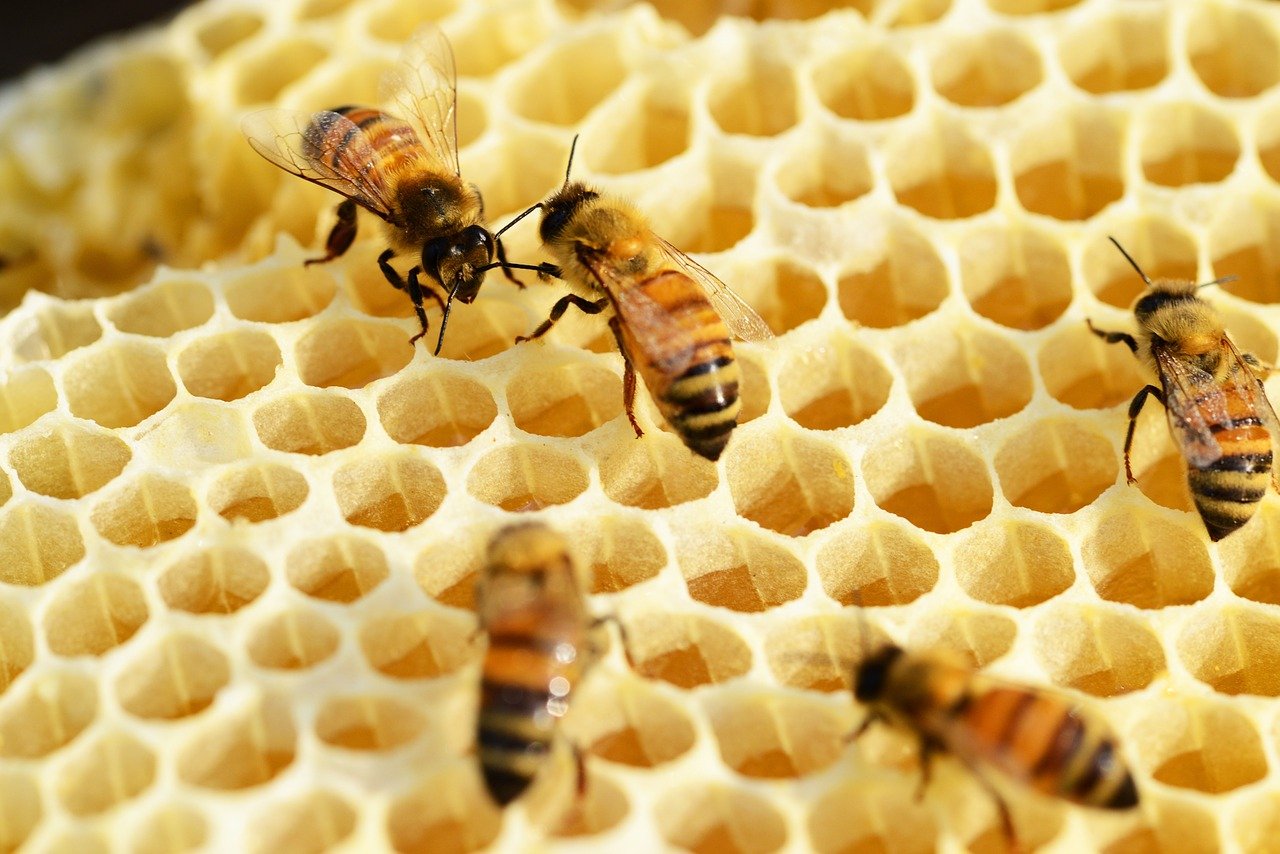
(484,329)
(903,281)
(312,423)
(1068,164)
(273,67)
(390,492)
(145,512)
(114,769)
(312,9)
(51,711)
(645,130)
(786,292)
(25,395)
(981,636)
(739,570)
(280,294)
(865,84)
(833,386)
(1137,558)
(941,170)
(447,571)
(1251,557)
(715,221)
(68,461)
(215,580)
(555,91)
(229,366)
(933,481)
(37,544)
(421,645)
(244,749)
(712,817)
(775,737)
(788,482)
(1161,247)
(225,30)
(633,723)
(1014,563)
(1184,143)
(1256,823)
(1234,50)
(1168,823)
(619,553)
(1204,746)
(173,828)
(336,569)
(685,650)
(1234,650)
(438,410)
(521,477)
(699,16)
(1158,464)
(602,807)
(967,377)
(1267,139)
(1243,241)
(566,398)
(163,309)
(177,676)
(59,329)
(758,99)
(368,723)
(316,821)
(20,809)
(95,615)
(1084,372)
(119,385)
(296,639)
(17,649)
(1018,277)
(1056,465)
(656,471)
(753,388)
(515,176)
(871,815)
(1118,50)
(1114,653)
(492,41)
(351,354)
(1030,7)
(987,69)
(397,20)
(257,493)
(879,563)
(447,811)
(837,172)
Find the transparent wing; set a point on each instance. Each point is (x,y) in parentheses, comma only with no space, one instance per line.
(741,318)
(1193,402)
(424,89)
(324,148)
(1248,385)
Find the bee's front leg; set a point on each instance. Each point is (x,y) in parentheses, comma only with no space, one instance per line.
(1135,408)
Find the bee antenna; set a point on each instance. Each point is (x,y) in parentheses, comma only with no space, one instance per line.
(1129,258)
(1221,280)
(573,146)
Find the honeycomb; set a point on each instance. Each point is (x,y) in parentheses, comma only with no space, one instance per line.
(240,519)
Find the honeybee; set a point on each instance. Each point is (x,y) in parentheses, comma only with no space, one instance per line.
(1213,396)
(530,602)
(1037,737)
(405,174)
(670,316)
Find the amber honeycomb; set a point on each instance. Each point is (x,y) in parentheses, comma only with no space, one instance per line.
(241,518)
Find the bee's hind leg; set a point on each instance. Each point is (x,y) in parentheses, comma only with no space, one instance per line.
(1135,408)
(628,378)
(1002,807)
(341,236)
(1114,337)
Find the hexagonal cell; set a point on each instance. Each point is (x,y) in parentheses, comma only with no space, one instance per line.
(1201,745)
(966,377)
(266,72)
(37,544)
(351,354)
(837,172)
(640,132)
(981,636)
(336,569)
(397,20)
(51,711)
(1084,372)
(1057,465)
(788,482)
(1157,462)
(1016,276)
(439,410)
(173,828)
(144,512)
(619,552)
(312,9)
(20,810)
(1161,246)
(1014,563)
(833,386)
(565,397)
(775,737)
(119,385)
(1235,650)
(878,563)
(1244,238)
(522,477)
(872,815)
(1234,51)
(784,290)
(280,293)
(930,479)
(986,69)
(216,580)
(739,570)
(421,645)
(447,811)
(1117,50)
(17,647)
(68,461)
(1114,652)
(716,220)
(60,328)
(95,615)
(904,281)
(656,471)
(865,84)
(941,170)
(1257,822)
(1165,823)
(447,570)
(1138,558)
(257,493)
(700,15)
(1068,164)
(225,29)
(755,98)
(114,769)
(484,329)
(487,43)
(163,309)
(602,807)
(1184,143)
(821,653)
(311,423)
(685,650)
(1029,7)
(706,816)
(1251,557)
(229,366)
(292,640)
(244,749)
(25,395)
(632,723)
(389,492)
(514,176)
(368,723)
(316,821)
(555,90)
(175,677)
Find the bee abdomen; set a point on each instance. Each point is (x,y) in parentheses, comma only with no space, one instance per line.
(702,404)
(1227,491)
(511,741)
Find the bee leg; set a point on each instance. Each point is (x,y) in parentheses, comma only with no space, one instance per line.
(557,311)
(1114,337)
(341,236)
(1135,407)
(596,649)
(928,750)
(388,272)
(416,294)
(628,378)
(1002,807)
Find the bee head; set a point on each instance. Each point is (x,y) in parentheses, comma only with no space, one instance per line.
(559,210)
(873,674)
(455,261)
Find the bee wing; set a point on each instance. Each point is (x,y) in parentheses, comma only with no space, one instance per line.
(1246,383)
(741,318)
(1189,394)
(299,143)
(424,88)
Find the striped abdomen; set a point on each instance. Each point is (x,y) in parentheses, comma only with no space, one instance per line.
(700,401)
(1045,742)
(335,144)
(1227,491)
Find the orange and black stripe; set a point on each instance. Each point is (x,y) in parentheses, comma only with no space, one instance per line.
(394,143)
(1227,491)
